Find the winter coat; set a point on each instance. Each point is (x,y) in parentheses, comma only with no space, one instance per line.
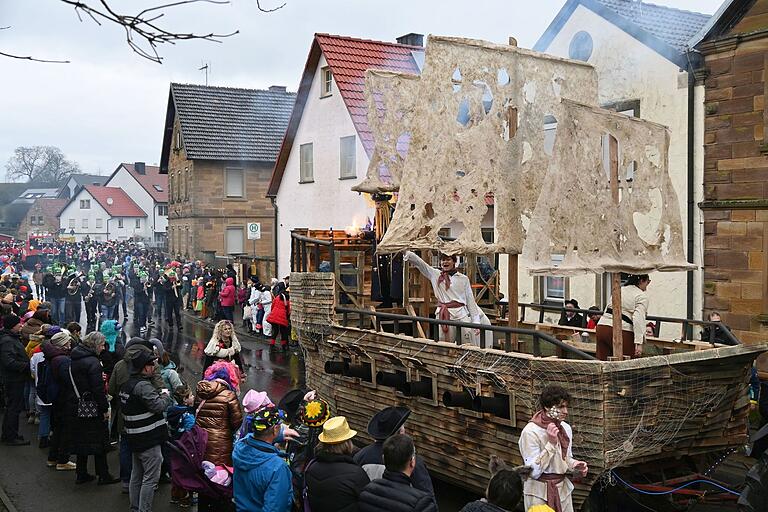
(89,435)
(14,363)
(171,379)
(228,293)
(58,360)
(371,459)
(481,506)
(122,374)
(394,493)
(172,293)
(281,311)
(110,359)
(30,327)
(262,479)
(220,415)
(334,483)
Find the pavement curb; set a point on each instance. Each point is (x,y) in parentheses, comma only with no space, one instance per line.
(7,501)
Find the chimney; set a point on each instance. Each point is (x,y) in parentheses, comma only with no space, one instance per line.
(140,167)
(412,39)
(277,88)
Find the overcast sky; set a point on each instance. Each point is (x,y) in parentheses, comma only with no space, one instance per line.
(108,105)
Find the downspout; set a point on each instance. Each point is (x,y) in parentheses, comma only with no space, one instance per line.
(691,190)
(275,230)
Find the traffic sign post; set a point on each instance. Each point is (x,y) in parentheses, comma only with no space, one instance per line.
(254,233)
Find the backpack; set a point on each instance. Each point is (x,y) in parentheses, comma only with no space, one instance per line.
(47,388)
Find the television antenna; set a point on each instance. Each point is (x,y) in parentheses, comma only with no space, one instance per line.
(204,67)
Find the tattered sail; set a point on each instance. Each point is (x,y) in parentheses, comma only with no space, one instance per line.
(390,97)
(575,216)
(476,119)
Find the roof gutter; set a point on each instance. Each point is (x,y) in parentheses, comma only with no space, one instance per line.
(275,231)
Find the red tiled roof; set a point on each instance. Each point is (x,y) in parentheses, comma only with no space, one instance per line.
(149,179)
(115,201)
(348,59)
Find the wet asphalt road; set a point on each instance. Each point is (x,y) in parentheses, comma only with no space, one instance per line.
(32,487)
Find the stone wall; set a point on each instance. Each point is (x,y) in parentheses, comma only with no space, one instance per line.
(735,205)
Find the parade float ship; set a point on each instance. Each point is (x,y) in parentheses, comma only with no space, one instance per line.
(464,134)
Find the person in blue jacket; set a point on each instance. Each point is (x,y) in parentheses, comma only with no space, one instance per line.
(262,478)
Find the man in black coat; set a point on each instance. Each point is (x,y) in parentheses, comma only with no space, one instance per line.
(14,367)
(394,492)
(384,424)
(569,317)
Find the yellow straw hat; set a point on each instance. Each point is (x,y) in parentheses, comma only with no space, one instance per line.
(336,430)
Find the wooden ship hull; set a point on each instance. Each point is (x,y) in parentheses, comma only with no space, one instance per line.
(623,412)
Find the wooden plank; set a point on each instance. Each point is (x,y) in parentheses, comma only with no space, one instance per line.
(419,329)
(512,297)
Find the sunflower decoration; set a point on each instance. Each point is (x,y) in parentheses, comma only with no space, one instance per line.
(315,413)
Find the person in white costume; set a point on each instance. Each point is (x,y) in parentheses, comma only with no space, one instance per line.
(547,448)
(455,300)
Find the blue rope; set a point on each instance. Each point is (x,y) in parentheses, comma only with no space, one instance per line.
(661,493)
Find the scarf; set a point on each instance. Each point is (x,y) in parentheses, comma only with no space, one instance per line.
(445,277)
(543,420)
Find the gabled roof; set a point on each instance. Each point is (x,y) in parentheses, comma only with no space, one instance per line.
(728,15)
(152,181)
(89,179)
(35,193)
(223,123)
(114,201)
(348,59)
(663,29)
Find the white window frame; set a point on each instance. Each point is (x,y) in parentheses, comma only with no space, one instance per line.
(230,171)
(241,246)
(306,163)
(347,157)
(120,222)
(85,204)
(548,281)
(71,223)
(162,210)
(99,223)
(84,222)
(326,82)
(138,223)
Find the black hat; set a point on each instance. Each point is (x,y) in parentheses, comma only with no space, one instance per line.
(10,321)
(387,422)
(255,279)
(141,359)
(573,302)
(291,402)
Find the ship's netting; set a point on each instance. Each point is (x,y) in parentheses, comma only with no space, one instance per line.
(617,417)
(476,122)
(575,216)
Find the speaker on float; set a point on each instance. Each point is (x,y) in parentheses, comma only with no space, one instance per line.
(361,371)
(336,367)
(422,388)
(461,399)
(498,405)
(392,380)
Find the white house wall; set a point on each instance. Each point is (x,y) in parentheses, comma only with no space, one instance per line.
(629,70)
(73,211)
(327,202)
(123,179)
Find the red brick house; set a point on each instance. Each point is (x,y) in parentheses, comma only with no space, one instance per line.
(734,47)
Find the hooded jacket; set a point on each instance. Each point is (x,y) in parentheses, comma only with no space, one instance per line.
(281,310)
(30,327)
(122,372)
(86,372)
(14,363)
(334,483)
(262,479)
(58,359)
(228,293)
(220,415)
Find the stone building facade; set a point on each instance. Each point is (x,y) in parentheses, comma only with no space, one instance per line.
(734,47)
(42,217)
(219,150)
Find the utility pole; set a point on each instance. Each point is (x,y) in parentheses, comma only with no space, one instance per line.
(205,68)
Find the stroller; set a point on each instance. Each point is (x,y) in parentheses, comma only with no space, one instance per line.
(187,455)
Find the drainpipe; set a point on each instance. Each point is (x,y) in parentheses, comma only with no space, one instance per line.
(275,230)
(691,185)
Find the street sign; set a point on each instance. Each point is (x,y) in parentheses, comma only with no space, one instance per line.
(254,231)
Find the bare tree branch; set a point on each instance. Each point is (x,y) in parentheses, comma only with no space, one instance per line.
(142,33)
(33,59)
(258,4)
